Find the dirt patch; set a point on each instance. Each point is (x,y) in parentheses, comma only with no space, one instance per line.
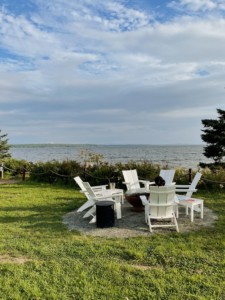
(133,223)
(13,260)
(143,267)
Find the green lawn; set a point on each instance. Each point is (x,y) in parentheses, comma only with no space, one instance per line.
(41,259)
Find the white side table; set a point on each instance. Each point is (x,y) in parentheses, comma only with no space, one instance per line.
(194,205)
(117,194)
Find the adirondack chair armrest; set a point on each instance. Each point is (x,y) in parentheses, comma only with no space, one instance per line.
(147,182)
(134,183)
(151,182)
(105,197)
(98,187)
(163,205)
(129,184)
(143,181)
(125,182)
(171,183)
(144,200)
(180,186)
(185,190)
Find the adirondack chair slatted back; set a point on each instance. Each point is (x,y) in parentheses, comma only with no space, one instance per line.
(167,175)
(80,183)
(89,190)
(90,201)
(131,179)
(194,184)
(162,201)
(135,181)
(98,189)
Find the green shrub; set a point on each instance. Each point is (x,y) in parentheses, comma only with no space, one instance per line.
(214,178)
(14,167)
(104,173)
(55,171)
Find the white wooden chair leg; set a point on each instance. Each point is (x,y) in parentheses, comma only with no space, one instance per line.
(149,224)
(176,209)
(146,214)
(86,205)
(93,220)
(192,214)
(187,210)
(91,212)
(175,221)
(118,210)
(202,211)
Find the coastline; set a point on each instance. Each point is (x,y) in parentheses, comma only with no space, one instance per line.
(187,156)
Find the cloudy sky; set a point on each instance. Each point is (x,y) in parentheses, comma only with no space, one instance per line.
(112,71)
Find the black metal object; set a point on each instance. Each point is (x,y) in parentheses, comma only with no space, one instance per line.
(190,175)
(105,215)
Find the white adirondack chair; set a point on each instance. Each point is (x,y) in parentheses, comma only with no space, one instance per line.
(104,195)
(161,207)
(168,176)
(189,189)
(98,189)
(133,183)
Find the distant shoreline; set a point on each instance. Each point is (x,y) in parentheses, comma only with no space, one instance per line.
(171,155)
(71,144)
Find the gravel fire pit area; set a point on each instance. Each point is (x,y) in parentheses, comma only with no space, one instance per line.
(133,223)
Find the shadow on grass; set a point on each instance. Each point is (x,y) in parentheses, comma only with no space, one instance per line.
(46,219)
(36,208)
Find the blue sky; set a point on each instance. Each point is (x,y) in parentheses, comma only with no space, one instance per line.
(110,72)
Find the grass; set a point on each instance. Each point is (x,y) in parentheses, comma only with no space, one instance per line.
(41,259)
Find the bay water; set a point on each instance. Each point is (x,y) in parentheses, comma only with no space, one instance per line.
(187,156)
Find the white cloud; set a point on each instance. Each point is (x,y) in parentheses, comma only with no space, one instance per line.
(93,66)
(199,5)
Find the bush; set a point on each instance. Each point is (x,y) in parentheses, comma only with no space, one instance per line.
(104,173)
(214,178)
(55,171)
(14,167)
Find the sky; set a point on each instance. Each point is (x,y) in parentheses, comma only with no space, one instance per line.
(110,72)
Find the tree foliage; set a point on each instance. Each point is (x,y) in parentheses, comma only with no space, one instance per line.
(4,146)
(214,136)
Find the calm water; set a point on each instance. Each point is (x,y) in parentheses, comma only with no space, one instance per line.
(187,156)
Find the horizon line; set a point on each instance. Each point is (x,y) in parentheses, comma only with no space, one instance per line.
(91,144)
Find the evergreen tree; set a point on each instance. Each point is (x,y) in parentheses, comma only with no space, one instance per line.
(214,136)
(4,146)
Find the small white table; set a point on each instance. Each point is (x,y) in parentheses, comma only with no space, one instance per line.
(117,194)
(194,205)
